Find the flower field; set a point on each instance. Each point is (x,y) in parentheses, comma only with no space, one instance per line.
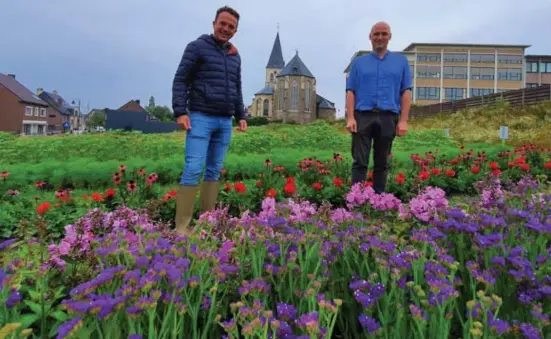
(459,248)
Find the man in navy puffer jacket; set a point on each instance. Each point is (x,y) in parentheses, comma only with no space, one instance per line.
(206,95)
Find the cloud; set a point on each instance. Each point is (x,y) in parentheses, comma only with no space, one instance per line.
(107,52)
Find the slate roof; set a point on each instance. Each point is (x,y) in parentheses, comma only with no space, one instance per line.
(57,102)
(324,103)
(266,91)
(20,91)
(296,67)
(276,57)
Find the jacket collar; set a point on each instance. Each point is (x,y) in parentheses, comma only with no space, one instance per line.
(232,50)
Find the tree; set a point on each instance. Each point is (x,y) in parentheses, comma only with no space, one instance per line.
(163,113)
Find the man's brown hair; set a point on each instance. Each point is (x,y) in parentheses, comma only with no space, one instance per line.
(227,9)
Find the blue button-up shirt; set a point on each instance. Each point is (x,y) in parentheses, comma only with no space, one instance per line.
(378,83)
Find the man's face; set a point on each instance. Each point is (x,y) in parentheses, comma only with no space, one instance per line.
(225,27)
(380,36)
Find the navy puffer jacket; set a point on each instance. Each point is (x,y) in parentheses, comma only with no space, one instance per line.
(208,80)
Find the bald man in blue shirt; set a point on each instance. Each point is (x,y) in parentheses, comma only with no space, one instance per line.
(378,100)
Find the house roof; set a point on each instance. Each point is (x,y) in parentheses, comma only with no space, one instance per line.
(437,44)
(20,91)
(296,67)
(276,57)
(132,105)
(324,103)
(266,91)
(57,102)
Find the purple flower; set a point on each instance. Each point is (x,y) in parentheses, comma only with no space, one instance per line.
(66,329)
(134,336)
(529,331)
(369,324)
(13,299)
(7,243)
(286,312)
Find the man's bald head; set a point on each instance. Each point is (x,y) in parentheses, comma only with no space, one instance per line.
(380,36)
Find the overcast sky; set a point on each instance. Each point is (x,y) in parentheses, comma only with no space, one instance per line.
(106,52)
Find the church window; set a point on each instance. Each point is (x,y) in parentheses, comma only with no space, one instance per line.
(258,106)
(307,95)
(294,95)
(272,77)
(266,107)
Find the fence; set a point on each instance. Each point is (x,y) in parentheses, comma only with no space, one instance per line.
(515,98)
(136,121)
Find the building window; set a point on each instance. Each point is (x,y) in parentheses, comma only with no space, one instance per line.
(531,67)
(510,74)
(455,72)
(27,129)
(482,73)
(294,95)
(428,57)
(307,95)
(266,110)
(476,92)
(42,112)
(29,111)
(258,107)
(454,93)
(531,85)
(424,71)
(509,59)
(453,57)
(281,95)
(545,67)
(428,93)
(36,111)
(40,129)
(412,69)
(483,58)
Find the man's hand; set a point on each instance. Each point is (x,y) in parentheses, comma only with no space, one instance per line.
(402,128)
(351,125)
(242,126)
(183,122)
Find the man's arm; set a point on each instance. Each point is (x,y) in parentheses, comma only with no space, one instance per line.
(405,93)
(351,87)
(182,80)
(240,113)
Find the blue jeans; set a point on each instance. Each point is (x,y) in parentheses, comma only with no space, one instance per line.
(206,143)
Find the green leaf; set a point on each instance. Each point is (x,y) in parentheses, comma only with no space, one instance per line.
(59,315)
(35,307)
(28,319)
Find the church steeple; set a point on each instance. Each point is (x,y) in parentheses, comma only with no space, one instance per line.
(276,57)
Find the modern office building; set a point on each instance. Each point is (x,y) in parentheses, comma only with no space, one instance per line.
(538,70)
(446,72)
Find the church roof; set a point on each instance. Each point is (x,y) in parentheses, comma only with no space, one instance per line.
(324,103)
(276,57)
(296,67)
(265,91)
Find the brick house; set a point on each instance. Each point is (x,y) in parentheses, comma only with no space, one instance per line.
(22,112)
(71,117)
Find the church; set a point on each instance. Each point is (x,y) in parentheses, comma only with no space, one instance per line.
(289,94)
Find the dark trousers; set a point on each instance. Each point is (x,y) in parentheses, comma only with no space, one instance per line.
(375,130)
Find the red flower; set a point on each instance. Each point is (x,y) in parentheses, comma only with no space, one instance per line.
(525,167)
(271,193)
(475,170)
(259,183)
(96,197)
(493,165)
(227,187)
(424,175)
(400,178)
(240,187)
(131,186)
(290,180)
(547,165)
(496,171)
(337,182)
(289,188)
(450,173)
(110,193)
(43,208)
(511,164)
(436,171)
(316,186)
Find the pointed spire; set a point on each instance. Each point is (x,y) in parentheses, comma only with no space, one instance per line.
(276,57)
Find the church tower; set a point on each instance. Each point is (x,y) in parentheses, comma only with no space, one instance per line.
(275,63)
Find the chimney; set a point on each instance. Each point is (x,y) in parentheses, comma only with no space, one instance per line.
(138,101)
(54,91)
(39,91)
(11,75)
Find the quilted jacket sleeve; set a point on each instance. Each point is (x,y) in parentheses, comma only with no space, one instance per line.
(240,112)
(183,78)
